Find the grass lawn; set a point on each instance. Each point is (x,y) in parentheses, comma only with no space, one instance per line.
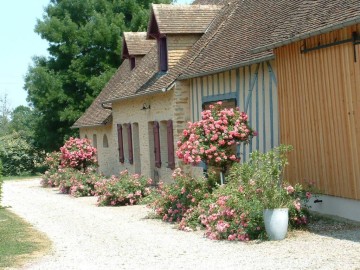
(19,241)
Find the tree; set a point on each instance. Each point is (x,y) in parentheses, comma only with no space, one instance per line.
(23,121)
(85,46)
(5,113)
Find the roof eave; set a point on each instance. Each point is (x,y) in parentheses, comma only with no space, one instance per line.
(88,126)
(163,90)
(309,34)
(242,64)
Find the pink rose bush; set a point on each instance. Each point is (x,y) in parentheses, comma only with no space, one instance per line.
(78,183)
(78,153)
(213,139)
(174,200)
(73,169)
(123,190)
(51,176)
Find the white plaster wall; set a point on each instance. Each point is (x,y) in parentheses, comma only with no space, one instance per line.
(336,206)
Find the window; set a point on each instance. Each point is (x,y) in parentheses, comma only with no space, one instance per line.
(226,103)
(132,63)
(105,141)
(120,143)
(163,55)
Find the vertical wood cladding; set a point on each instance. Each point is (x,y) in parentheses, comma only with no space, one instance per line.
(319,107)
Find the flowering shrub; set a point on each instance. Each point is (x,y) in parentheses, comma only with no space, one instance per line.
(78,153)
(214,138)
(178,197)
(77,183)
(123,190)
(228,214)
(235,211)
(51,177)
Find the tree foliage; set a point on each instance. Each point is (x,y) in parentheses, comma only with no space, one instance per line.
(5,113)
(85,46)
(18,157)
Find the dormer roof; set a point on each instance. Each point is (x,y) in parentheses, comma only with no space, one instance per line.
(135,44)
(180,19)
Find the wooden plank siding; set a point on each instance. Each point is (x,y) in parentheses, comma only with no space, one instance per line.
(254,88)
(319,107)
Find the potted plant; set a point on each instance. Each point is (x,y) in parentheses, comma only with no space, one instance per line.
(274,195)
(214,138)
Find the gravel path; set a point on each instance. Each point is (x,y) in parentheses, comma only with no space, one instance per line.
(88,237)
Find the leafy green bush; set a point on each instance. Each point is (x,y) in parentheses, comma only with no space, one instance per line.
(1,182)
(17,155)
(123,190)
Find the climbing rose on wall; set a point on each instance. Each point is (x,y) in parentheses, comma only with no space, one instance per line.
(214,138)
(78,153)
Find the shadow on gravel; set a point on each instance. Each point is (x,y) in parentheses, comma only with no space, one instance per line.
(335,227)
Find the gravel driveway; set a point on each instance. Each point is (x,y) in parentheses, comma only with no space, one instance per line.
(89,237)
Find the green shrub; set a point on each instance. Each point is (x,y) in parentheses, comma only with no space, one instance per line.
(1,182)
(123,190)
(17,155)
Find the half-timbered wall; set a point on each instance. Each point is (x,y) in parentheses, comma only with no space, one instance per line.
(255,91)
(319,101)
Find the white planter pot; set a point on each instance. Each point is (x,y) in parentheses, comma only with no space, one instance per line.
(276,223)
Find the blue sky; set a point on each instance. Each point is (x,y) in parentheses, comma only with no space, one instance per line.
(19,43)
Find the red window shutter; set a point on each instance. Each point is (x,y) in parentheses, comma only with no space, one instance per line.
(131,158)
(120,143)
(157,145)
(170,141)
(163,55)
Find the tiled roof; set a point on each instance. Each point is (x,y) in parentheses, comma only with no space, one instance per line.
(231,45)
(305,18)
(143,74)
(182,19)
(146,79)
(137,44)
(165,81)
(162,81)
(96,115)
